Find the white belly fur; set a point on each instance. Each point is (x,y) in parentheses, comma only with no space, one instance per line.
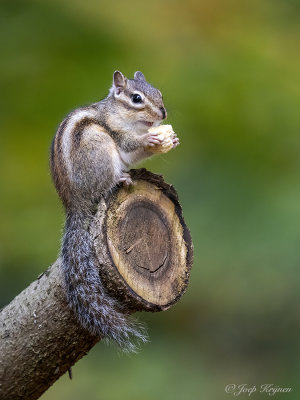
(131,158)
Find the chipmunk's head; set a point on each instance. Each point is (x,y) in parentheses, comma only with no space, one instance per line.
(139,104)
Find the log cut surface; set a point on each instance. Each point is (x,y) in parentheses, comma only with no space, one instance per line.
(148,246)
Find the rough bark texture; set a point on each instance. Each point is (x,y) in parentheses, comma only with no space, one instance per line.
(145,255)
(40,338)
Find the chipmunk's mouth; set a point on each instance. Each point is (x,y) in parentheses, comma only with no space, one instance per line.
(147,123)
(150,123)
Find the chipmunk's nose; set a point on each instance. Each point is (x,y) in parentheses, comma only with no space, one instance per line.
(164,112)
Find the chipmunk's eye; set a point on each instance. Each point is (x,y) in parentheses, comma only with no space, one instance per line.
(136,98)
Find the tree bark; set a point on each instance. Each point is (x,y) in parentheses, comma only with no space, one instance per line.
(145,255)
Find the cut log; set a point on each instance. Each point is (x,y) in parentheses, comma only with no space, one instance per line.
(144,244)
(145,254)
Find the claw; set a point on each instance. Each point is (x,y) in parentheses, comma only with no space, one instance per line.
(126,179)
(175,141)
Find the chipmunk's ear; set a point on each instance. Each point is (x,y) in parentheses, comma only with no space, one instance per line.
(139,76)
(119,82)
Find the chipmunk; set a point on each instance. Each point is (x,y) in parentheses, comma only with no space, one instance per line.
(91,153)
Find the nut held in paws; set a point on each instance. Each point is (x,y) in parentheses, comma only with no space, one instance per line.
(165,134)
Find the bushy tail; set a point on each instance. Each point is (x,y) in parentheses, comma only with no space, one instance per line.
(95,310)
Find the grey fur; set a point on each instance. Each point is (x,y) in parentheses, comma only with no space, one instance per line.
(95,310)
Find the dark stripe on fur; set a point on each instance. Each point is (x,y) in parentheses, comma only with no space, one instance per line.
(58,165)
(113,134)
(79,129)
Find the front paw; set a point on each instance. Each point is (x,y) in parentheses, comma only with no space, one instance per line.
(151,139)
(126,179)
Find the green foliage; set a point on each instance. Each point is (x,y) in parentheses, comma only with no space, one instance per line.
(229,72)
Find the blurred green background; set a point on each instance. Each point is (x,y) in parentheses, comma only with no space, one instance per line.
(229,73)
